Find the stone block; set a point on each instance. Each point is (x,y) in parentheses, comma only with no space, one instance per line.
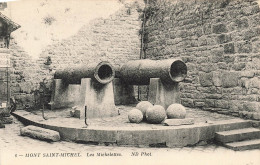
(242,23)
(219,28)
(99,99)
(222,104)
(216,79)
(199,104)
(223,38)
(243,47)
(206,79)
(239,66)
(229,48)
(252,83)
(210,103)
(176,122)
(40,133)
(187,102)
(248,74)
(256,116)
(251,106)
(230,79)
(163,94)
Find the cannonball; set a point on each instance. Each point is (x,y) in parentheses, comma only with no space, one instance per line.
(177,111)
(143,106)
(155,114)
(135,116)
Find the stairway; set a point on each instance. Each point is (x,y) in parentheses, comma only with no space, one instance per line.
(239,139)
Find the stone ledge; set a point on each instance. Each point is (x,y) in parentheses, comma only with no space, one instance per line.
(171,136)
(176,122)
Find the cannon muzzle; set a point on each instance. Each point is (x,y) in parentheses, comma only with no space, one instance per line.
(102,73)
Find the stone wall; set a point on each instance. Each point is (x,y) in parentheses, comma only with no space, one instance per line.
(115,39)
(219,41)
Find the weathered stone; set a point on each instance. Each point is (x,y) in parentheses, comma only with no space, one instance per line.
(222,104)
(251,106)
(216,78)
(176,122)
(241,23)
(256,116)
(252,83)
(223,38)
(219,28)
(248,74)
(206,79)
(229,79)
(40,133)
(229,48)
(239,66)
(199,104)
(209,103)
(187,102)
(243,47)
(6,120)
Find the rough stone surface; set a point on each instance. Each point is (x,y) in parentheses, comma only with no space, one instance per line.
(244,145)
(219,42)
(176,111)
(135,116)
(176,122)
(143,106)
(40,133)
(155,114)
(6,120)
(237,135)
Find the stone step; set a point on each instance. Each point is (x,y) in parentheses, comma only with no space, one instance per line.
(244,145)
(237,135)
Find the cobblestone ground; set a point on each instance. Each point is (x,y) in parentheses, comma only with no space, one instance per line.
(14,149)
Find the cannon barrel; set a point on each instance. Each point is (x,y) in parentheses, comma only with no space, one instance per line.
(139,72)
(102,73)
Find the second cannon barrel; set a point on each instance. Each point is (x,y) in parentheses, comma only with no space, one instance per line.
(139,72)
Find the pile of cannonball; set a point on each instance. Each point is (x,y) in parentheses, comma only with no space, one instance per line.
(155,114)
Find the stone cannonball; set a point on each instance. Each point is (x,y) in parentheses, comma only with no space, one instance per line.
(155,114)
(177,111)
(135,116)
(143,106)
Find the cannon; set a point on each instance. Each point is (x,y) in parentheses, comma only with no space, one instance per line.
(139,72)
(162,76)
(102,73)
(100,87)
(88,85)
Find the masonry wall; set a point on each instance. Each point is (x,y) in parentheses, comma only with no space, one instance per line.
(115,39)
(220,43)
